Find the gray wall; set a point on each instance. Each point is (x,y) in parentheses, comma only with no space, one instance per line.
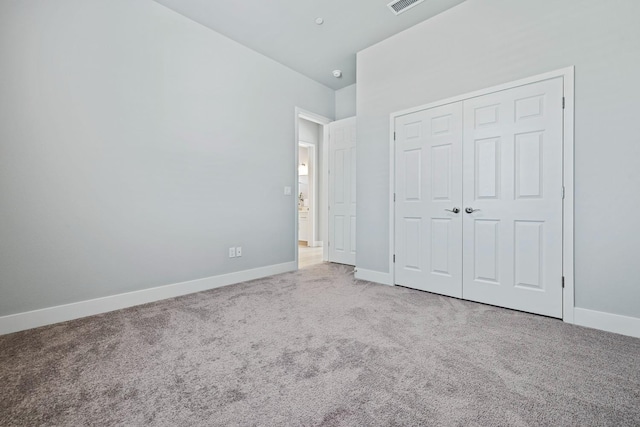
(482,43)
(346,102)
(136,146)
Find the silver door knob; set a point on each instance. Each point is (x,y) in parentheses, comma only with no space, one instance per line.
(470,210)
(454,210)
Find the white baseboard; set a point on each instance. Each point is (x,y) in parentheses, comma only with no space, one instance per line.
(62,313)
(624,325)
(373,276)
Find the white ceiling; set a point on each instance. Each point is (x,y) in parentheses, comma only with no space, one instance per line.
(285,31)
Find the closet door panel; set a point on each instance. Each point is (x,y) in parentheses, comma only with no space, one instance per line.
(428,166)
(512,179)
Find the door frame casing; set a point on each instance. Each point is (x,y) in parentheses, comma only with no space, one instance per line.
(323,177)
(567,74)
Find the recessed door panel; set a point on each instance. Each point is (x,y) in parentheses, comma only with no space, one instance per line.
(529,107)
(441,125)
(529,165)
(485,255)
(441,172)
(487,168)
(412,130)
(413,171)
(528,254)
(338,170)
(338,237)
(412,243)
(440,246)
(486,115)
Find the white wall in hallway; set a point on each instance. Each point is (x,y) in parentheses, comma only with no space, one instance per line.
(482,43)
(136,147)
(311,133)
(303,180)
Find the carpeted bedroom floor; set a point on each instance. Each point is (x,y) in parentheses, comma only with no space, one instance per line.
(318,348)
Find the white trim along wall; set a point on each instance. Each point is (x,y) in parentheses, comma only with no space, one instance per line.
(373,276)
(62,313)
(616,323)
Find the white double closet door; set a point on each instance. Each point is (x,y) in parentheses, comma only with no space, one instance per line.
(479,198)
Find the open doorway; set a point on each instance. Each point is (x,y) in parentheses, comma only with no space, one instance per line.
(309,246)
(311,188)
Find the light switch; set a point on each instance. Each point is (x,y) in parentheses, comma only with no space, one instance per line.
(287,191)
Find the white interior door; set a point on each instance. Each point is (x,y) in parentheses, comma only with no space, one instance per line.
(342,191)
(428,228)
(512,180)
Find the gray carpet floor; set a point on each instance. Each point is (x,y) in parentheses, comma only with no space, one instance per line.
(318,348)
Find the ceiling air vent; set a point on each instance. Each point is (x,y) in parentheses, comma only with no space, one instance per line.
(399,6)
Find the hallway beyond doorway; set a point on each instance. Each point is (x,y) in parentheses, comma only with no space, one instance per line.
(309,256)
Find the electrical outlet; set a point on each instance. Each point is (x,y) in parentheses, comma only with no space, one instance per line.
(239,251)
(232,252)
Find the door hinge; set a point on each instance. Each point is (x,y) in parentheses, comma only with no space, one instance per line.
(394,136)
(394,197)
(562,282)
(563,102)
(563,191)
(394,257)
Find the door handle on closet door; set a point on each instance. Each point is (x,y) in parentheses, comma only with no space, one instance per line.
(470,210)
(454,210)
